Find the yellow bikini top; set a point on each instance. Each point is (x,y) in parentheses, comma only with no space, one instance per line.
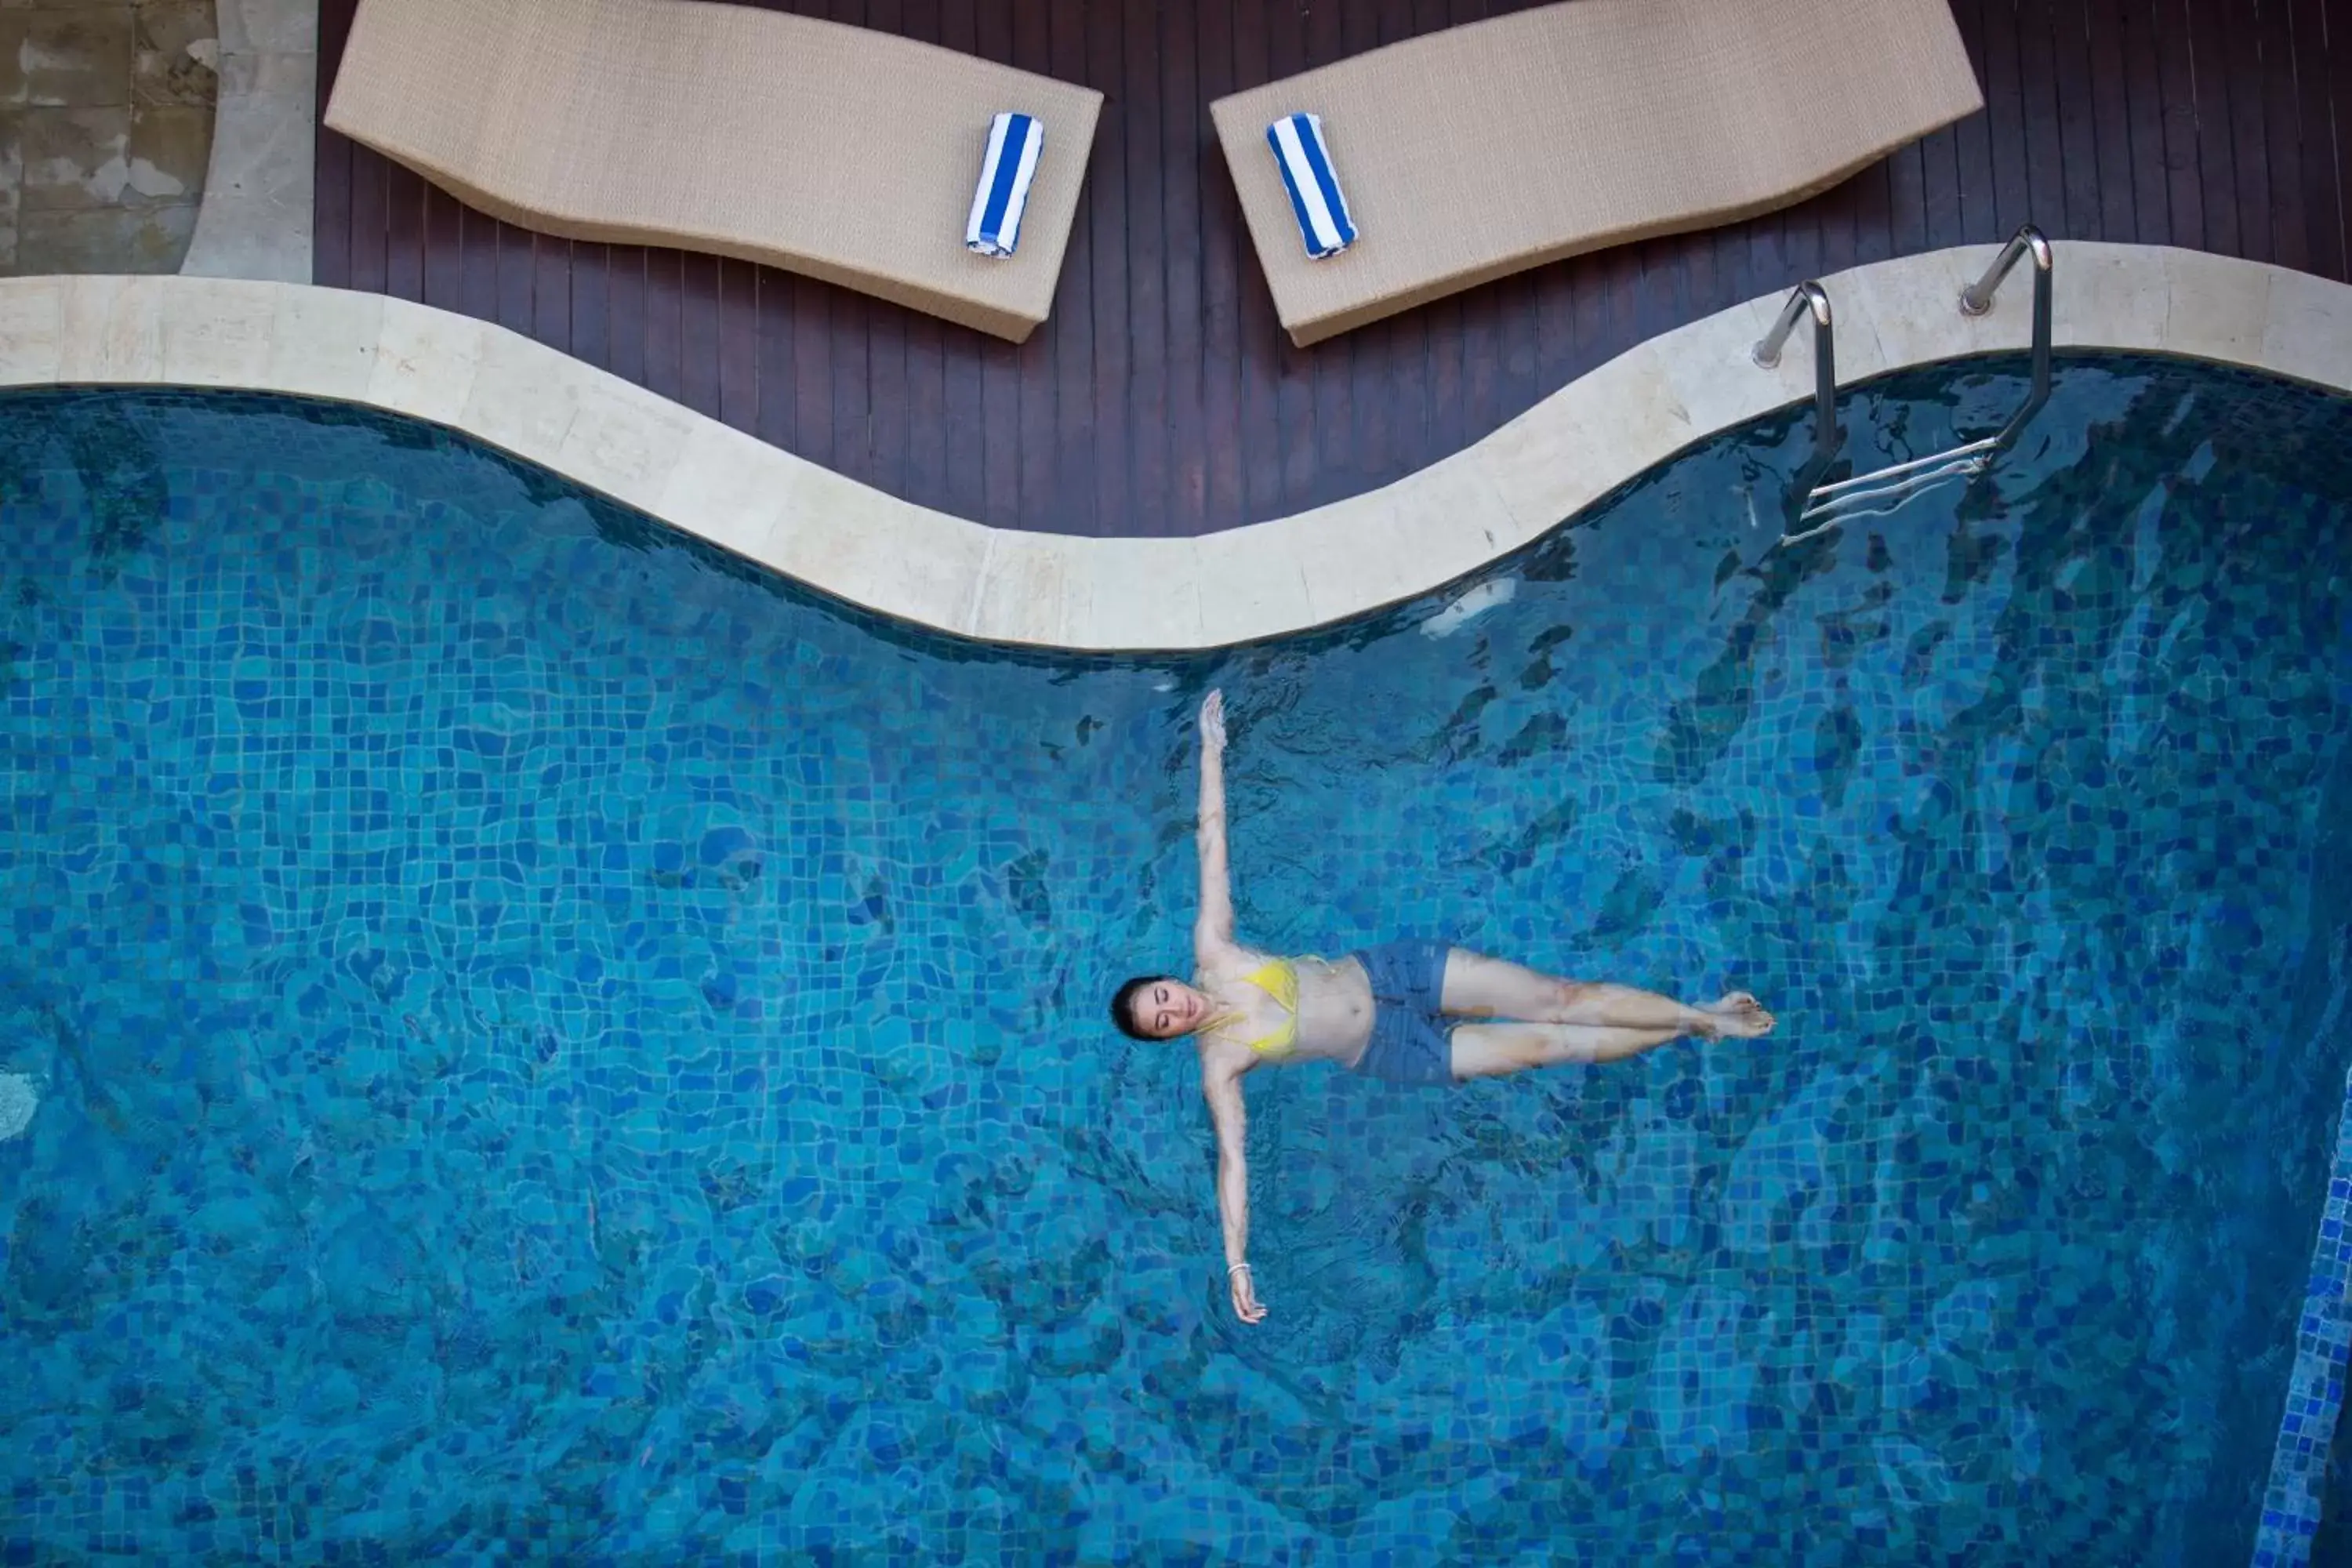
(1278,978)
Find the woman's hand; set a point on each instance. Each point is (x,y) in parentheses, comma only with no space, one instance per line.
(1213,723)
(1246,1306)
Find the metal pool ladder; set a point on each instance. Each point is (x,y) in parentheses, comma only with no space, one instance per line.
(1824,506)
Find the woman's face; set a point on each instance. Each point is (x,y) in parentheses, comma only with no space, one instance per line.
(1167,1008)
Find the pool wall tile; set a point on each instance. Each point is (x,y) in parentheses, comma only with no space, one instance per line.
(2314,1393)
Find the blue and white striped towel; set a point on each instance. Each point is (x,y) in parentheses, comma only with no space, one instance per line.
(1013,143)
(1298,152)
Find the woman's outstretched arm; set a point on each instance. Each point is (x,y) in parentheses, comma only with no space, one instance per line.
(1223,1092)
(1213,928)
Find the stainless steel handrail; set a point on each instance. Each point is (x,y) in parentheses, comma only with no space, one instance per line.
(1809,297)
(1827,505)
(1976,298)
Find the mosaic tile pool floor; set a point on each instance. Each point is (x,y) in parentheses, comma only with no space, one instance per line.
(547,1046)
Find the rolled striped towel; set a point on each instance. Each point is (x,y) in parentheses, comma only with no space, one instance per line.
(1315,195)
(1013,143)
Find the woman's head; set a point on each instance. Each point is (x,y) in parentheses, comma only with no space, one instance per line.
(1157,1007)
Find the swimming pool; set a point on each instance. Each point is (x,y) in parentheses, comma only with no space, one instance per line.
(551,1043)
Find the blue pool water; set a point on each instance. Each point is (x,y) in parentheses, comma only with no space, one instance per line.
(551,1044)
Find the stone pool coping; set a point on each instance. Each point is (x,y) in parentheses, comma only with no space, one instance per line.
(1263,580)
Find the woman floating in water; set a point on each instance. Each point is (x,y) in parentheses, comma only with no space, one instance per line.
(1388,1011)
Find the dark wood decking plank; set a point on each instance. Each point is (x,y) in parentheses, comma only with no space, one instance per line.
(2143,84)
(1939,183)
(1448,425)
(2283,135)
(518,271)
(370,176)
(1874,211)
(2337,71)
(477,275)
(1000,361)
(887,428)
(852,380)
(1223,245)
(403,248)
(739,343)
(444,249)
(2110,114)
(2075,103)
(2175,91)
(330,165)
(1069,332)
(1033,362)
(1147,262)
(551,291)
(1261,330)
(921,350)
(1294,428)
(1906,202)
(2249,131)
(697,332)
(1482,320)
(2324,238)
(2012,188)
(591,321)
(1105,257)
(778,421)
(1390,409)
(1181,118)
(665,318)
(2328,203)
(964,460)
(625,311)
(2045,132)
(2216,168)
(1978,213)
(1333,359)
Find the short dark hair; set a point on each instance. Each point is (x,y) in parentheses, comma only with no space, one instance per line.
(1122,1005)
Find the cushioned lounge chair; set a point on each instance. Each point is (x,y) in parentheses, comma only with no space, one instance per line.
(832,151)
(1475,152)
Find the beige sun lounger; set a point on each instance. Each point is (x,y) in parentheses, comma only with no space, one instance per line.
(836,151)
(1469,155)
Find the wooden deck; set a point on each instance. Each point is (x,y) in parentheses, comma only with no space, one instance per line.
(1163,399)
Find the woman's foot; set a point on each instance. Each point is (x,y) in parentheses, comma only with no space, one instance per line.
(1739,1017)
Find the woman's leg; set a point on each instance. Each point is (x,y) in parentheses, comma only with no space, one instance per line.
(1477,986)
(1490,1050)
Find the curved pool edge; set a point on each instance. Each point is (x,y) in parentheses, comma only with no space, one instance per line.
(1332,563)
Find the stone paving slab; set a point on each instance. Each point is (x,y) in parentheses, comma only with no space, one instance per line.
(106,132)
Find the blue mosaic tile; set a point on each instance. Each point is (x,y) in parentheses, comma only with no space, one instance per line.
(2293,1503)
(553,1045)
